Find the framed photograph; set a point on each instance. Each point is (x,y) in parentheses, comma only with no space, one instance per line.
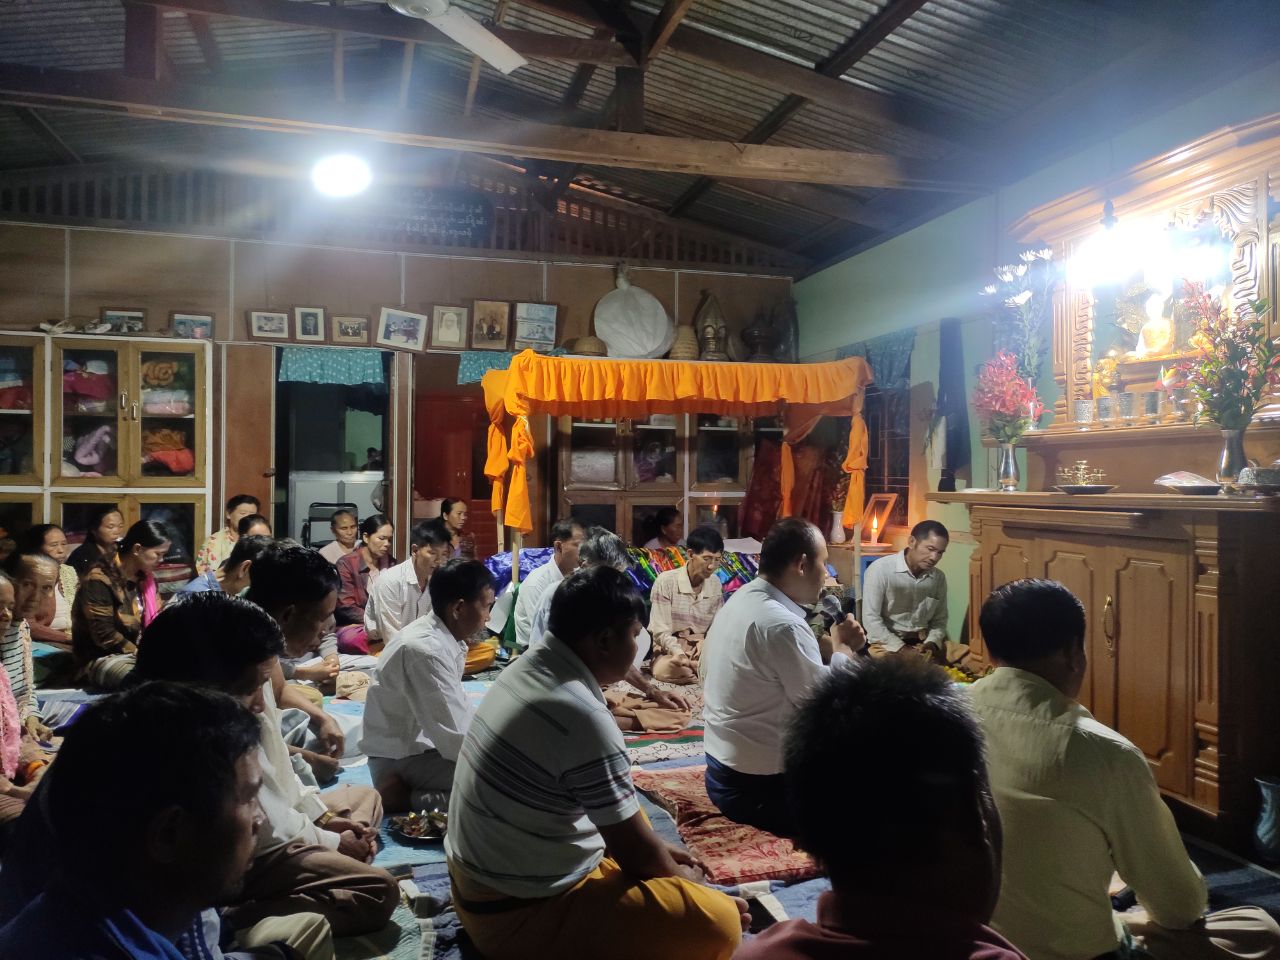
(351,331)
(535,327)
(124,320)
(191,326)
(491,325)
(401,330)
(449,326)
(308,324)
(268,325)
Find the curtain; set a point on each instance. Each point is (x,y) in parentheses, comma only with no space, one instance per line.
(889,356)
(343,366)
(474,364)
(952,405)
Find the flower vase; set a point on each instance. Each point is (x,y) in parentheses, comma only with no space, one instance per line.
(1266,832)
(837,527)
(1232,459)
(1007,477)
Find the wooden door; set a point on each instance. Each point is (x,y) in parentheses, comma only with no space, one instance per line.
(449,451)
(1145,624)
(248,405)
(1079,564)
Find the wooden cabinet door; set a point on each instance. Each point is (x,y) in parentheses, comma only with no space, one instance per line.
(1145,622)
(248,404)
(1079,564)
(22,405)
(91,400)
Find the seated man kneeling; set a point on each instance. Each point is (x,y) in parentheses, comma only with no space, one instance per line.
(920,875)
(543,788)
(1079,803)
(417,714)
(684,601)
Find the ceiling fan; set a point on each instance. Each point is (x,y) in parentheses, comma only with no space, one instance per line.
(463,28)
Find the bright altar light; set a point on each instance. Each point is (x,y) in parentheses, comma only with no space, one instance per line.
(341,175)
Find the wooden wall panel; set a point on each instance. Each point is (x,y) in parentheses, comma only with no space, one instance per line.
(32,275)
(432,280)
(279,277)
(249,407)
(161,274)
(577,288)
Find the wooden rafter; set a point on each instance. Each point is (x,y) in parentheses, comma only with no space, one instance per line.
(673,11)
(896,112)
(52,139)
(142,42)
(206,41)
(28,86)
(392,26)
(854,49)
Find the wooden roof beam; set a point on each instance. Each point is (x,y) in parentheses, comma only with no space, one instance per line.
(52,139)
(206,41)
(673,11)
(32,86)
(911,115)
(850,52)
(392,26)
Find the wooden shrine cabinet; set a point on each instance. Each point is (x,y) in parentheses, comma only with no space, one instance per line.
(1181,611)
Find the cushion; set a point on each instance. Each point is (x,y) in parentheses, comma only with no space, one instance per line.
(732,852)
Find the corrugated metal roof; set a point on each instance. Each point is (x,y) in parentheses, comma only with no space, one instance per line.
(984,61)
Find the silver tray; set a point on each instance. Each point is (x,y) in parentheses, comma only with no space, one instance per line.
(1083,488)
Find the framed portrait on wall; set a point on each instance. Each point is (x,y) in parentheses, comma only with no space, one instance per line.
(191,326)
(449,324)
(308,324)
(124,319)
(535,327)
(349,331)
(268,325)
(491,325)
(401,330)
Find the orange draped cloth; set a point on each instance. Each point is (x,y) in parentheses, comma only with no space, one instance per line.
(597,388)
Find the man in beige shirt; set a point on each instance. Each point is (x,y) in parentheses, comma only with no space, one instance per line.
(684,602)
(1079,803)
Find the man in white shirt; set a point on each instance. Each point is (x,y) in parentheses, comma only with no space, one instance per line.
(309,837)
(344,527)
(1079,803)
(601,548)
(760,664)
(566,538)
(399,596)
(904,596)
(549,852)
(416,715)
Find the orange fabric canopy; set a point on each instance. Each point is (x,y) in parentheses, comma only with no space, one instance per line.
(595,388)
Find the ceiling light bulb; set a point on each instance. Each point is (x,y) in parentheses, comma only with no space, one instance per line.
(341,175)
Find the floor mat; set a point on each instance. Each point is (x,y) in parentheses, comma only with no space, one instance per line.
(644,748)
(732,852)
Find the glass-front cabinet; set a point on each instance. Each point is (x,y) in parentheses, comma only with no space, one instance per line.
(129,414)
(182,515)
(18,511)
(22,368)
(620,473)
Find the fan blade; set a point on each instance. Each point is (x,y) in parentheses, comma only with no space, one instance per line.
(458,26)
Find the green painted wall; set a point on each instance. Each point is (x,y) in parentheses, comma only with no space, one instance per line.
(938,269)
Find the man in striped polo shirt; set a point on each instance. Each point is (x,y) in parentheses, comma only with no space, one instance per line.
(543,789)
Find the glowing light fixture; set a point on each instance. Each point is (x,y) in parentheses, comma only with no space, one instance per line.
(341,175)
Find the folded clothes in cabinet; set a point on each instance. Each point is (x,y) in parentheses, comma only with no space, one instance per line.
(166,403)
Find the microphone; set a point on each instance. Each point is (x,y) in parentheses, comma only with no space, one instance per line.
(834,610)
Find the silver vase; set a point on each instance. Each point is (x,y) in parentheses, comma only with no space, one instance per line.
(837,527)
(1266,831)
(1007,477)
